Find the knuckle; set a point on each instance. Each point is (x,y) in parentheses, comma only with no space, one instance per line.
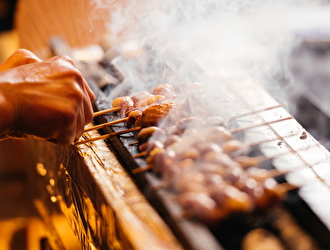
(22,52)
(66,59)
(78,94)
(89,116)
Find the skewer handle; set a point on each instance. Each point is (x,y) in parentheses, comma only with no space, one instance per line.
(108,135)
(102,112)
(257,111)
(259,125)
(143,153)
(141,169)
(105,124)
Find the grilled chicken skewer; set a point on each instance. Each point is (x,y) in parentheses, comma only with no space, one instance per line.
(233,194)
(211,207)
(229,147)
(140,99)
(216,134)
(152,115)
(151,122)
(125,102)
(244,191)
(215,157)
(159,94)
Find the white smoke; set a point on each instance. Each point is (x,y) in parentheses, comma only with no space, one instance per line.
(203,40)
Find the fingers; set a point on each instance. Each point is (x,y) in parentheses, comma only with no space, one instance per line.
(52,99)
(80,115)
(64,66)
(85,115)
(80,124)
(90,93)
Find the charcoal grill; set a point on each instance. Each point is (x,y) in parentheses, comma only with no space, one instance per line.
(111,208)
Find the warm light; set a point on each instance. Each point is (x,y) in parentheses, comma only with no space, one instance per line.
(52,182)
(53,199)
(41,169)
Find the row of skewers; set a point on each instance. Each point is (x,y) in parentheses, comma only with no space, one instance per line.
(197,159)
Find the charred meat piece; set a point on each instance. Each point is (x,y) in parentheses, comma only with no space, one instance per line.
(207,147)
(150,145)
(189,122)
(148,100)
(218,134)
(165,90)
(231,146)
(139,96)
(154,114)
(274,193)
(146,133)
(189,181)
(221,159)
(246,161)
(133,116)
(231,200)
(172,139)
(189,153)
(160,159)
(120,101)
(125,103)
(200,205)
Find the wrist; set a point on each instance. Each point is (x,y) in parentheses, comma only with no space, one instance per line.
(7,112)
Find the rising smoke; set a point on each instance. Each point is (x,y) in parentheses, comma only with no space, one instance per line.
(207,40)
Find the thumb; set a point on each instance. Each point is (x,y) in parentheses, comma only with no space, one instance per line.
(18,58)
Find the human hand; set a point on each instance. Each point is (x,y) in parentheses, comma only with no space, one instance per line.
(48,99)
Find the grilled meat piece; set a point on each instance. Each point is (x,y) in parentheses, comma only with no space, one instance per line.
(165,90)
(154,114)
(148,100)
(145,133)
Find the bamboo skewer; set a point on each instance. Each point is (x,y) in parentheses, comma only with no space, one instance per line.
(122,120)
(139,128)
(258,159)
(256,111)
(286,186)
(143,153)
(273,172)
(141,169)
(250,145)
(259,125)
(108,135)
(253,144)
(102,112)
(189,213)
(105,124)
